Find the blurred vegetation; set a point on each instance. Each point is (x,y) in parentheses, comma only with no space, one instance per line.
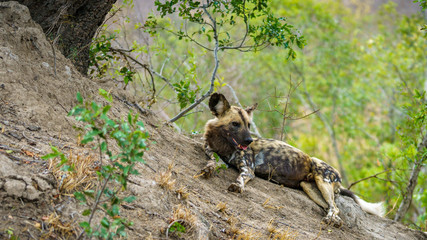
(362,76)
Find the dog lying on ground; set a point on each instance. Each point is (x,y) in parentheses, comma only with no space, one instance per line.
(229,137)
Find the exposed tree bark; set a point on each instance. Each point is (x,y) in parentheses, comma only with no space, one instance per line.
(416,168)
(74,21)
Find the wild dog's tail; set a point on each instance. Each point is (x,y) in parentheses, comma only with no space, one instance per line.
(372,208)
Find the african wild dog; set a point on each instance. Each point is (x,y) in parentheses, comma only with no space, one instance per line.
(228,136)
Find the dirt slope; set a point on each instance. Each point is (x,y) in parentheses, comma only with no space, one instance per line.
(34,102)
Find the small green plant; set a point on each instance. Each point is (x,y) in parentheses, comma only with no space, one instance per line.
(130,137)
(177,228)
(222,166)
(184,93)
(10,231)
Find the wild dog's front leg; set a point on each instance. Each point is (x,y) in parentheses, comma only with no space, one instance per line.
(209,169)
(246,172)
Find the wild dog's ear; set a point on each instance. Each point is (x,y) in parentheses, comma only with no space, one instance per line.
(250,109)
(218,104)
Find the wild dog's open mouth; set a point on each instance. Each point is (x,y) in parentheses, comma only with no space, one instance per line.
(240,146)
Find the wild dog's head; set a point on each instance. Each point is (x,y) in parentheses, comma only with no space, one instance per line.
(230,129)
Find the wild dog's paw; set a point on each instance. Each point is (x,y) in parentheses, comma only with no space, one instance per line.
(235,187)
(334,220)
(209,169)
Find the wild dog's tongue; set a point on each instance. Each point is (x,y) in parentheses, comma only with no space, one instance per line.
(243,147)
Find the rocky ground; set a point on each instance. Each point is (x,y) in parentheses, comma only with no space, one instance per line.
(37,89)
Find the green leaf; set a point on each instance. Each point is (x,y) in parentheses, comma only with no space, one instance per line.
(129,199)
(107,96)
(105,223)
(129,118)
(67,168)
(80,196)
(84,225)
(106,109)
(90,193)
(79,98)
(103,146)
(86,212)
(115,210)
(90,136)
(121,231)
(177,227)
(49,156)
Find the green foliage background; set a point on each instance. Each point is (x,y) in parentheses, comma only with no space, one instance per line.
(365,73)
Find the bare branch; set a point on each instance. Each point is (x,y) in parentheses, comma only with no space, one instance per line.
(189,37)
(125,54)
(212,80)
(304,116)
(366,178)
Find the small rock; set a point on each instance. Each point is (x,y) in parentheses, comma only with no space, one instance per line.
(31,193)
(26,179)
(45,64)
(43,185)
(14,188)
(7,167)
(15,135)
(54,192)
(68,72)
(33,128)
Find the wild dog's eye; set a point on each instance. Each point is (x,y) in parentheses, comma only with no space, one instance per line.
(235,124)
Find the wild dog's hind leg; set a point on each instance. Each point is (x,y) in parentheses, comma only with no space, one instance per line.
(313,192)
(245,166)
(328,181)
(328,193)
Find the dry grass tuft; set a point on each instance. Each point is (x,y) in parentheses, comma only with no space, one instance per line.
(57,229)
(280,233)
(249,234)
(182,193)
(234,225)
(164,179)
(221,206)
(272,227)
(83,176)
(237,232)
(284,234)
(185,215)
(266,205)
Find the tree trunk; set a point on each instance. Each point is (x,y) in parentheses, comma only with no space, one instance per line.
(407,199)
(72,22)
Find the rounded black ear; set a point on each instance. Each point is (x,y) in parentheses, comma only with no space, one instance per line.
(218,104)
(250,109)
